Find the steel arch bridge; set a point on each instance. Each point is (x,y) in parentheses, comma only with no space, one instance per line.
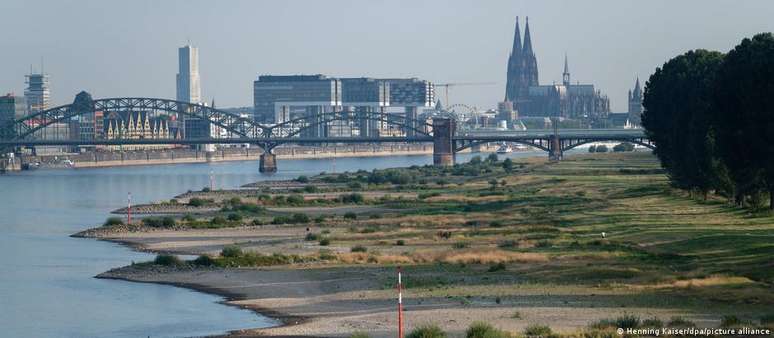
(24,128)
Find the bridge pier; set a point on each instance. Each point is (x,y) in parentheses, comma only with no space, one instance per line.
(443,142)
(268,163)
(554,148)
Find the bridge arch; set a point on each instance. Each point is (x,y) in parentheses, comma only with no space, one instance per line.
(573,143)
(299,125)
(540,144)
(23,128)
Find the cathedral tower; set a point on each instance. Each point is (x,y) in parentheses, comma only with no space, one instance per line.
(515,65)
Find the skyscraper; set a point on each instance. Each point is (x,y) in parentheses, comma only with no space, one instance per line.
(188,83)
(37,92)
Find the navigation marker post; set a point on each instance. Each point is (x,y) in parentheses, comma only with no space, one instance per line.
(400,305)
(129,208)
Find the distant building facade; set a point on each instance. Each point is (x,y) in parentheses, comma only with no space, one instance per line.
(12,107)
(529,98)
(281,98)
(37,93)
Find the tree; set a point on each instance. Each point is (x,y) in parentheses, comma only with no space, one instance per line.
(492,158)
(678,115)
(508,165)
(592,148)
(744,101)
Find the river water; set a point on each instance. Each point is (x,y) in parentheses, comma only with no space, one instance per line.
(46,284)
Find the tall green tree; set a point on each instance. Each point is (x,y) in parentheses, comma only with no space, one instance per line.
(678,115)
(744,97)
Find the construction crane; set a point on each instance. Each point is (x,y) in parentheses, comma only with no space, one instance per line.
(455,84)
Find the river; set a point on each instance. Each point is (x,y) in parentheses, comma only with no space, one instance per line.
(47,287)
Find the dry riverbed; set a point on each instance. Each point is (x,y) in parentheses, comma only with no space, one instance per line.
(513,247)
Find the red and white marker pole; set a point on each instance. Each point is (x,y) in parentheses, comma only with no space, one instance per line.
(400,305)
(129,208)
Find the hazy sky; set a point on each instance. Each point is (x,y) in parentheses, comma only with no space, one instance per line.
(129,48)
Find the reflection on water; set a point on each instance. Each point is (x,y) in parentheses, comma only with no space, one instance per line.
(46,284)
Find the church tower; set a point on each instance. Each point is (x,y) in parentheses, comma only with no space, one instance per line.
(515,65)
(635,103)
(530,61)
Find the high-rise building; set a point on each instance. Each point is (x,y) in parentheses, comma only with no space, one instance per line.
(635,103)
(37,92)
(188,82)
(529,98)
(11,108)
(279,98)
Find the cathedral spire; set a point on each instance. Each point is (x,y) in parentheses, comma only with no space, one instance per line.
(527,39)
(516,40)
(637,88)
(566,74)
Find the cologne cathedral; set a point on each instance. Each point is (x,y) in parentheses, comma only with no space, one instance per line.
(567,100)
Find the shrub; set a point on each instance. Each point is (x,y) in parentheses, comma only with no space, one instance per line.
(299,218)
(400,242)
(731,321)
(217,220)
(475,160)
(508,165)
(496,224)
(355,198)
(601,148)
(188,218)
(197,202)
(484,330)
(231,251)
(167,260)
(204,260)
(325,242)
(206,189)
(312,237)
(492,158)
(627,321)
(311,189)
(461,245)
(497,267)
(543,244)
(111,221)
(319,219)
(258,222)
(358,248)
(592,148)
(359,334)
(159,222)
(350,215)
(302,179)
(234,217)
(508,243)
(538,330)
(355,186)
(427,331)
(295,199)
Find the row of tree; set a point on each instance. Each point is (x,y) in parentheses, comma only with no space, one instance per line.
(711,116)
